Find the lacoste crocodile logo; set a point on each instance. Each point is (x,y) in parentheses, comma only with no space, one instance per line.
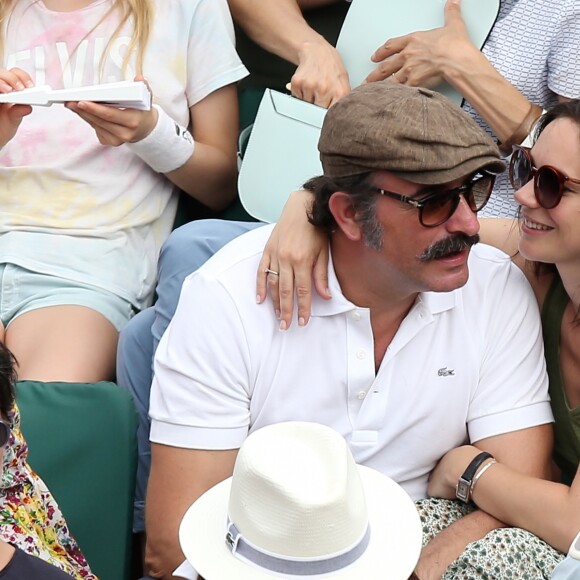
(445,372)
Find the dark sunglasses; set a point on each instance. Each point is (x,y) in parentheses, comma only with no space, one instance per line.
(437,207)
(5,430)
(549,182)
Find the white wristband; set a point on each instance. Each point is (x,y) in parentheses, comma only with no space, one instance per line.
(168,147)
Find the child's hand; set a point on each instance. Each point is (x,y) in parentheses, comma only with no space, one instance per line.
(11,116)
(116,126)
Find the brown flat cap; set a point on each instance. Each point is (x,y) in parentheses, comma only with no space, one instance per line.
(417,134)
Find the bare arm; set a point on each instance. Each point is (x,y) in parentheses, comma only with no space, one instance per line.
(178,477)
(280,28)
(526,451)
(549,510)
(499,102)
(503,233)
(211,172)
(428,57)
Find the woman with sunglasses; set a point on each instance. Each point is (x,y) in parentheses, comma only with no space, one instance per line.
(35,543)
(547,183)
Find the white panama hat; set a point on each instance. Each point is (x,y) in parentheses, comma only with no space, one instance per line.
(298,506)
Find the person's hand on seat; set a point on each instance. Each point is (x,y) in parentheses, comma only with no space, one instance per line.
(425,58)
(320,77)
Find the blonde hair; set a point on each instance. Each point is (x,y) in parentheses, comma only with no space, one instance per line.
(4,16)
(141,11)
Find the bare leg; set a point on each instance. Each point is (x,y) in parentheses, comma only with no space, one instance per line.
(63,343)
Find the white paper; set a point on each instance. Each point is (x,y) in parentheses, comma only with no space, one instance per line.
(124,94)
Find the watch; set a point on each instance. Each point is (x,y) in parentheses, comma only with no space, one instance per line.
(463,487)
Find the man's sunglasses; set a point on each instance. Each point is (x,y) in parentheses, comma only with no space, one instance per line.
(5,430)
(549,182)
(437,207)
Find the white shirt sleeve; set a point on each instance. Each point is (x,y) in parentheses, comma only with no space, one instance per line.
(213,61)
(564,56)
(512,393)
(200,397)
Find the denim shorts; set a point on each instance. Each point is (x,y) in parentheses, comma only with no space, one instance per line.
(22,290)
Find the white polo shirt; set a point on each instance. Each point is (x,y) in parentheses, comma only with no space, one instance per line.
(463,366)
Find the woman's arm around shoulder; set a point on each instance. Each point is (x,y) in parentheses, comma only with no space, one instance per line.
(502,233)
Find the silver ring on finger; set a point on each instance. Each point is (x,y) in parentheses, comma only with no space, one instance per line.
(268,271)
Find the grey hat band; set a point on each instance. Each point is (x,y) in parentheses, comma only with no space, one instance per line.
(303,567)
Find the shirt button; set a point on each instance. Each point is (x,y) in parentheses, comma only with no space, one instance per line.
(355,315)
(361,395)
(361,354)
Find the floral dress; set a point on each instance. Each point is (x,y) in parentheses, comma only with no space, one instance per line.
(30,518)
(504,553)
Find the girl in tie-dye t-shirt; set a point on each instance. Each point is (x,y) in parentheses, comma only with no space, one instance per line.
(88,191)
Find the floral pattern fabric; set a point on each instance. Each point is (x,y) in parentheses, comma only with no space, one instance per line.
(502,554)
(30,517)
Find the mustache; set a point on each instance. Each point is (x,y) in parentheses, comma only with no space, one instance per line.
(448,246)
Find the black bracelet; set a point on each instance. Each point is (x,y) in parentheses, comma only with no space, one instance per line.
(463,487)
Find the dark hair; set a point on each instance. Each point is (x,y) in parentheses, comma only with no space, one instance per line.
(364,200)
(566,110)
(7,380)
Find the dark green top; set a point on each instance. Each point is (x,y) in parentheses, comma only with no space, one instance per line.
(567,428)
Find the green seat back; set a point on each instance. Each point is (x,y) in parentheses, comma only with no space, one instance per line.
(82,442)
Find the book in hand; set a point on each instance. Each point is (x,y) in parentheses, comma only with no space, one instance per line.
(123,95)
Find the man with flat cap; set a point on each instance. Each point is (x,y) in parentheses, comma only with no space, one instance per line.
(429,341)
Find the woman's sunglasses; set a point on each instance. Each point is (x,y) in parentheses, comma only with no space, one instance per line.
(437,207)
(549,182)
(5,430)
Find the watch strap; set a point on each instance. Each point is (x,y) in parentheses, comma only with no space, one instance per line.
(463,488)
